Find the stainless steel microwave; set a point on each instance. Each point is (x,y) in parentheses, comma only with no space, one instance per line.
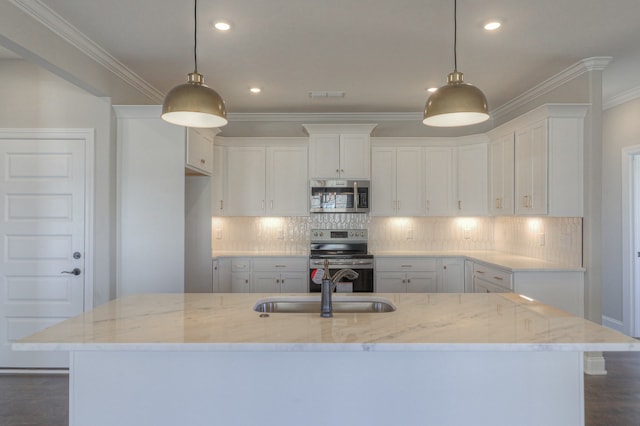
(339,196)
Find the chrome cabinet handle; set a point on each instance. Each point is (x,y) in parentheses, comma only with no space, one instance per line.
(459,204)
(74,271)
(498,278)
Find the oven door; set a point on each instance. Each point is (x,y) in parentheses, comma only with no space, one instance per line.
(362,284)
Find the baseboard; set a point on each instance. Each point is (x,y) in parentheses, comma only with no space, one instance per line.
(613,324)
(60,371)
(594,364)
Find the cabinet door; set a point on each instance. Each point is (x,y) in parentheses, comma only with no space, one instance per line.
(324,156)
(451,276)
(245,181)
(383,181)
(531,169)
(217,182)
(391,282)
(439,179)
(294,282)
(422,282)
(240,282)
(355,156)
(409,182)
(287,181)
(472,180)
(265,282)
(501,175)
(199,151)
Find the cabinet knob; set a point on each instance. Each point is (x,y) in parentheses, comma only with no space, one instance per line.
(202,161)
(337,170)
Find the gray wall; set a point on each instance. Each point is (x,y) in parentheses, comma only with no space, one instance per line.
(34,98)
(621,128)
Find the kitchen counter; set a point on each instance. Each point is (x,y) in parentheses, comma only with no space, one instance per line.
(421,322)
(452,359)
(512,262)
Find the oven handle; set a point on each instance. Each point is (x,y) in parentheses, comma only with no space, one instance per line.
(362,264)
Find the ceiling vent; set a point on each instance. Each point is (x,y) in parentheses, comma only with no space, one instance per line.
(327,94)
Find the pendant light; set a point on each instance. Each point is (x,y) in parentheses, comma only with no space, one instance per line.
(458,103)
(194,104)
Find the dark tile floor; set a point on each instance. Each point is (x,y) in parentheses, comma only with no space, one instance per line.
(42,400)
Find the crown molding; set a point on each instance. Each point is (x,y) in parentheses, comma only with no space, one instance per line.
(590,64)
(59,26)
(621,98)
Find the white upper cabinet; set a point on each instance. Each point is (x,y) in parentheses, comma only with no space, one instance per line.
(501,173)
(548,160)
(264,177)
(397,181)
(472,180)
(217,182)
(287,186)
(245,178)
(199,151)
(531,169)
(439,181)
(339,151)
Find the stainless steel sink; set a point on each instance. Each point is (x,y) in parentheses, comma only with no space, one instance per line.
(305,305)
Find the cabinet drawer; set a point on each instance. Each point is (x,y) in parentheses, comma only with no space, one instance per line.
(241,265)
(400,264)
(495,276)
(281,264)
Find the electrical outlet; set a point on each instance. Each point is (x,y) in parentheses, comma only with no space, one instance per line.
(218,234)
(281,233)
(541,239)
(409,234)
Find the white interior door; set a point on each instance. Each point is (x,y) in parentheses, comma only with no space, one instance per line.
(42,199)
(636,242)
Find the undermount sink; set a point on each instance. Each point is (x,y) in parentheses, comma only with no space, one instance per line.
(341,305)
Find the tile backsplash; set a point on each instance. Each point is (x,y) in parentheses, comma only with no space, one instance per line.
(548,238)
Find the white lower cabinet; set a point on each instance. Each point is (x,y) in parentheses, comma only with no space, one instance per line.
(488,279)
(451,275)
(269,275)
(561,289)
(406,275)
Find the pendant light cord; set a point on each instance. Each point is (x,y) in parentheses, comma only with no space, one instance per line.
(195,35)
(455,35)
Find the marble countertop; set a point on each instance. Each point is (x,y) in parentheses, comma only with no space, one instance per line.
(421,322)
(504,260)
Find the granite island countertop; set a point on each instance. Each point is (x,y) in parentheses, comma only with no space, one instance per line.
(421,322)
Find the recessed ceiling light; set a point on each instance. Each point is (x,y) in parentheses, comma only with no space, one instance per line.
(255,90)
(492,25)
(221,25)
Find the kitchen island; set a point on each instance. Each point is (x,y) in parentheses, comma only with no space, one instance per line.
(441,359)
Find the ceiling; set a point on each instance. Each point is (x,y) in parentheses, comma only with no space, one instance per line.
(382,53)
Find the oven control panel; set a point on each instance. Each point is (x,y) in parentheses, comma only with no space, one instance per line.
(339,235)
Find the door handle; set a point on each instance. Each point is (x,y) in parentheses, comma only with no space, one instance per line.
(74,271)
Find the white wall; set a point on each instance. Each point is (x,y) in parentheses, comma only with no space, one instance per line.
(31,97)
(621,128)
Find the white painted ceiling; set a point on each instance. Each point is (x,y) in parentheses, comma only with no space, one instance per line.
(382,53)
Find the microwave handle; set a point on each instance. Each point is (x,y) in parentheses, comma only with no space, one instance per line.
(355,195)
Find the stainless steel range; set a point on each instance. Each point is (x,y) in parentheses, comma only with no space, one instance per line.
(344,249)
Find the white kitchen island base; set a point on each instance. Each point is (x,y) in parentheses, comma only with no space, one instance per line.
(321,388)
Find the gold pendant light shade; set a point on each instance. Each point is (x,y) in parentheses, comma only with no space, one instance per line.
(194,104)
(456,104)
